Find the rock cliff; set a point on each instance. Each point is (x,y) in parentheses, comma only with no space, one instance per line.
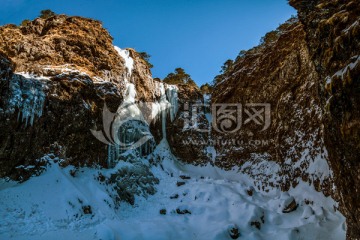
(183,139)
(285,111)
(332,33)
(56,76)
(277,79)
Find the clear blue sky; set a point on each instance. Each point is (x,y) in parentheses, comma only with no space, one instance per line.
(197,35)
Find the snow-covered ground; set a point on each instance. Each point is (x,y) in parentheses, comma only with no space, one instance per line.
(57,205)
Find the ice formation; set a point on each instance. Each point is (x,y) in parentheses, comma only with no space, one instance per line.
(167,106)
(129,62)
(130,131)
(164,105)
(130,128)
(171,94)
(27,95)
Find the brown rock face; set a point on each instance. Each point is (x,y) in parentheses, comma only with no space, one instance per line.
(146,88)
(72,106)
(6,70)
(75,71)
(279,73)
(81,43)
(187,143)
(188,93)
(333,33)
(47,46)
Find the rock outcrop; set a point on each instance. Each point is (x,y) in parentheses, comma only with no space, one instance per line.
(186,142)
(333,39)
(280,77)
(56,76)
(49,46)
(281,112)
(56,119)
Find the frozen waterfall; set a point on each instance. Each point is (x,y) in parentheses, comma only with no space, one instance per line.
(130,128)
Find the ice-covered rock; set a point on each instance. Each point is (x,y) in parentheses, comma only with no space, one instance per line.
(26,94)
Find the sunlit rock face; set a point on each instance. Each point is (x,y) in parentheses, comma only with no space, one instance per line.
(48,47)
(71,99)
(66,90)
(283,144)
(332,32)
(57,75)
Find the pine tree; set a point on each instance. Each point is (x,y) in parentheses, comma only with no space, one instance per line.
(179,76)
(47,13)
(146,57)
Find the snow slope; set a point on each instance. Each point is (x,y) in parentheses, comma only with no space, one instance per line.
(57,205)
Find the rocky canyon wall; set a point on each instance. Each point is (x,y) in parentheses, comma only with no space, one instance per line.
(57,74)
(333,39)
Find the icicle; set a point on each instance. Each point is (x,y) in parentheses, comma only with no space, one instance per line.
(168,104)
(164,104)
(27,95)
(111,157)
(171,94)
(163,123)
(172,97)
(130,93)
(117,151)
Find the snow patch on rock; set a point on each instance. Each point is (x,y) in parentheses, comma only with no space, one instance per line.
(129,62)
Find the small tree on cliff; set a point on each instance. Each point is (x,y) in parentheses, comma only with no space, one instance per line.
(206,88)
(270,37)
(146,57)
(179,76)
(241,54)
(25,22)
(47,13)
(227,66)
(224,72)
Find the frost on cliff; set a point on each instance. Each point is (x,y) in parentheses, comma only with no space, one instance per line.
(26,94)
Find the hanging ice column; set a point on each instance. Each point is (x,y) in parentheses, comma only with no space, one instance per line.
(172,96)
(27,95)
(164,105)
(168,105)
(207,111)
